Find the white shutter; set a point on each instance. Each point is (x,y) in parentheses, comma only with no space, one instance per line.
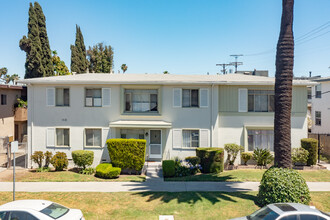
(50,137)
(106,97)
(50,96)
(177,138)
(204,98)
(204,138)
(242,100)
(105,136)
(177,97)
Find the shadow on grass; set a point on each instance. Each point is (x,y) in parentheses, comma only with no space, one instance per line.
(194,197)
(213,177)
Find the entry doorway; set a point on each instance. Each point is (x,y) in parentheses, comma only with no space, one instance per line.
(155,144)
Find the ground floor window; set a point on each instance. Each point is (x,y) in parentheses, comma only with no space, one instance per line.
(132,133)
(261,139)
(93,137)
(62,137)
(190,138)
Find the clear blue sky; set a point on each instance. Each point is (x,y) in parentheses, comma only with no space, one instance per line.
(180,36)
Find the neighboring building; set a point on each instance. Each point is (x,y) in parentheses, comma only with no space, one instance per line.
(321,106)
(174,113)
(254,72)
(13,121)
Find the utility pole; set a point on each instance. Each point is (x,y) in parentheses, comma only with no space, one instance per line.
(224,67)
(236,63)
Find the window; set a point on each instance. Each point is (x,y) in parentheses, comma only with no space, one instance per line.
(21,215)
(3,99)
(55,210)
(261,100)
(264,213)
(310,217)
(132,133)
(190,98)
(317,118)
(261,139)
(93,137)
(2,215)
(318,91)
(62,137)
(93,98)
(290,217)
(190,138)
(62,97)
(309,93)
(141,100)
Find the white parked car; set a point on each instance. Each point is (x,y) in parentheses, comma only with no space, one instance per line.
(287,211)
(38,209)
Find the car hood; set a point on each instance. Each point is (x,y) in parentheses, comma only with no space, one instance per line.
(73,214)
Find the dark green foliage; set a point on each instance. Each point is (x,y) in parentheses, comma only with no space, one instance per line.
(282,185)
(193,160)
(246,156)
(83,158)
(32,46)
(105,170)
(211,159)
(127,153)
(79,62)
(232,151)
(42,169)
(87,171)
(311,145)
(100,58)
(59,161)
(299,156)
(38,157)
(168,168)
(46,55)
(263,157)
(48,156)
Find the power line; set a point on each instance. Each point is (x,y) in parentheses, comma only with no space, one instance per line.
(236,63)
(315,29)
(224,65)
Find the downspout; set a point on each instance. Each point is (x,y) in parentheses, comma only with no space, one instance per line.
(32,119)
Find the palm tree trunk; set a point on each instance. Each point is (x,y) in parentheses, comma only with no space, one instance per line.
(283,88)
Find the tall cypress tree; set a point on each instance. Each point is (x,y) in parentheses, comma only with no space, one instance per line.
(46,52)
(79,62)
(32,46)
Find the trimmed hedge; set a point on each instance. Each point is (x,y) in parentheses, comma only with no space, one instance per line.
(127,153)
(311,145)
(107,171)
(282,185)
(211,159)
(59,161)
(83,158)
(168,168)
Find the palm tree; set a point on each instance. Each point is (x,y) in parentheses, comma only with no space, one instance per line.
(283,88)
(124,67)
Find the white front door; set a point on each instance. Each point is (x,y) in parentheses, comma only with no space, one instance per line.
(155,144)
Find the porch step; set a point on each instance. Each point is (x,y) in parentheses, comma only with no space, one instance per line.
(154,170)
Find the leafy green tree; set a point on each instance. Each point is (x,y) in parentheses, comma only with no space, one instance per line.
(32,46)
(59,65)
(3,71)
(6,78)
(100,58)
(166,72)
(46,56)
(79,62)
(124,68)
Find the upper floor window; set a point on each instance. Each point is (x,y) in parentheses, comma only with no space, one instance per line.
(3,99)
(309,93)
(190,138)
(261,139)
(261,100)
(190,98)
(93,97)
(317,118)
(62,97)
(62,137)
(141,100)
(318,91)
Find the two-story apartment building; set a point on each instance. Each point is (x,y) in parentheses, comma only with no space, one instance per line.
(174,113)
(320,103)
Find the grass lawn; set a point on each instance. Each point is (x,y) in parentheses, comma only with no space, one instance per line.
(149,205)
(63,176)
(252,175)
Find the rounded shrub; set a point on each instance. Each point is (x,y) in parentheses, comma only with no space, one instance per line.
(311,145)
(232,151)
(299,156)
(83,158)
(107,171)
(211,159)
(193,160)
(168,168)
(246,156)
(282,185)
(38,157)
(59,161)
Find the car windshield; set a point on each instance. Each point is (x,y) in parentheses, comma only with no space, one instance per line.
(55,210)
(264,213)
